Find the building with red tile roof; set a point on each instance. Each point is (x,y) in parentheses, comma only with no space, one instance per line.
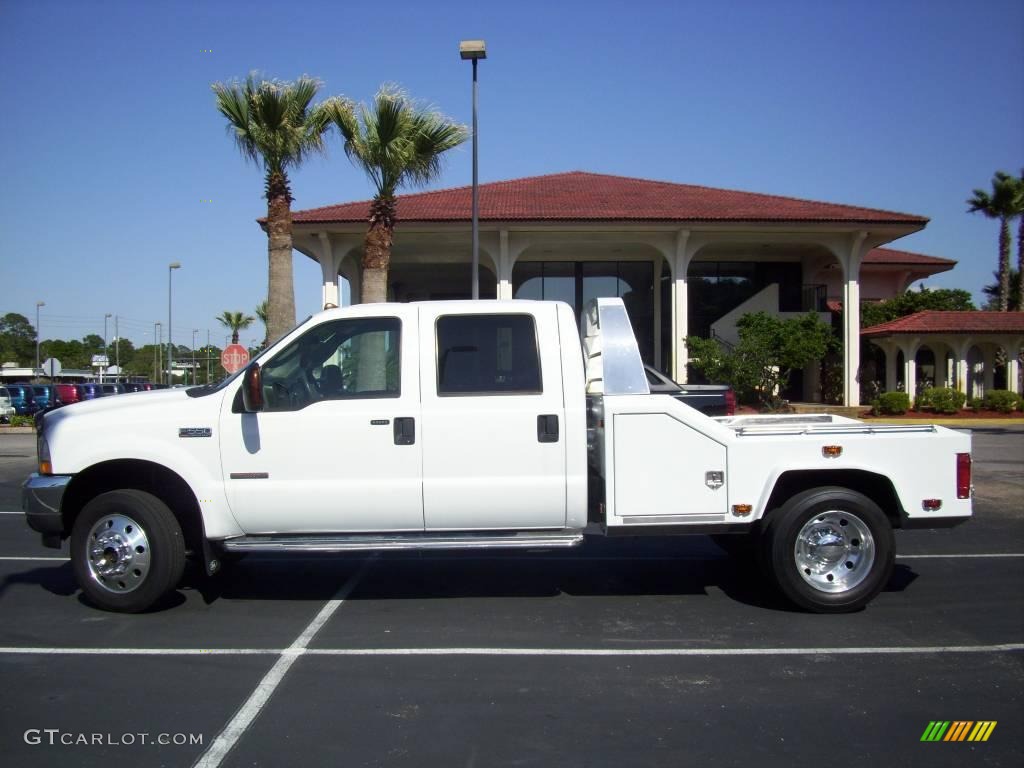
(687,259)
(953,349)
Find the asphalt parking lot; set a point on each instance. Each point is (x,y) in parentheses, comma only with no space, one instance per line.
(626,652)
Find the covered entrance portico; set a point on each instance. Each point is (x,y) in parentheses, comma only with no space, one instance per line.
(677,255)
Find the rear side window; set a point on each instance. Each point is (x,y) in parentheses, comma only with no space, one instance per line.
(487,354)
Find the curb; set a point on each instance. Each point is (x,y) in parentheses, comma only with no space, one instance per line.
(17,430)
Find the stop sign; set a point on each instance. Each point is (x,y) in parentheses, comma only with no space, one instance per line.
(234,357)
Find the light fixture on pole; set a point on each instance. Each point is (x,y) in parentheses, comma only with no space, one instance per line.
(170,345)
(38,335)
(474,50)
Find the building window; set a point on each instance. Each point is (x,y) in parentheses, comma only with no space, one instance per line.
(487,354)
(576,283)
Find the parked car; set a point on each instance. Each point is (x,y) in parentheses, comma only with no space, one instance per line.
(64,394)
(43,394)
(113,389)
(22,399)
(136,386)
(89,391)
(709,399)
(6,409)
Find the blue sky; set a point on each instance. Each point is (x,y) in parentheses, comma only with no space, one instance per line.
(110,140)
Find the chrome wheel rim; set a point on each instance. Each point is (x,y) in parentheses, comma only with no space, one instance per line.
(117,554)
(834,551)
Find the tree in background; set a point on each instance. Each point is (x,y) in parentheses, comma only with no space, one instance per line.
(769,350)
(261,313)
(992,292)
(235,322)
(17,340)
(397,143)
(909,302)
(275,124)
(1005,204)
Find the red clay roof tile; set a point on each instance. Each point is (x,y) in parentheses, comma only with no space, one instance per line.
(580,196)
(932,321)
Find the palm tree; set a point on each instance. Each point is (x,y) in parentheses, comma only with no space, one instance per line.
(1000,204)
(236,321)
(261,313)
(992,292)
(1018,210)
(274,125)
(397,143)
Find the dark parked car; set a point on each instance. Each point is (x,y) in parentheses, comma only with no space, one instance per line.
(89,391)
(44,396)
(23,399)
(709,399)
(113,389)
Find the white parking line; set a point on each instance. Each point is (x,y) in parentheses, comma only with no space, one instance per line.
(939,557)
(61,559)
(259,697)
(233,731)
(19,512)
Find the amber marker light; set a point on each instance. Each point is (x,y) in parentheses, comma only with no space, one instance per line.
(831,451)
(742,510)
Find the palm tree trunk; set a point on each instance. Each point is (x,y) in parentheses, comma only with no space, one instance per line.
(234,335)
(1004,264)
(280,283)
(1020,264)
(377,250)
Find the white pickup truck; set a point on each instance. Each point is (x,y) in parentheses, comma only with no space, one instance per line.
(448,425)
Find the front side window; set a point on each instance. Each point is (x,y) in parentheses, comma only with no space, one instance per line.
(487,354)
(339,360)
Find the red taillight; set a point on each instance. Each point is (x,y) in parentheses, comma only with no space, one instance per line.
(730,402)
(963,475)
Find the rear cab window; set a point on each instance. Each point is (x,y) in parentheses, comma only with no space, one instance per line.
(483,354)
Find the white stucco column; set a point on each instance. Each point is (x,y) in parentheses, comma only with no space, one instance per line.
(961,378)
(329,270)
(909,349)
(657,312)
(851,320)
(680,324)
(504,266)
(1013,372)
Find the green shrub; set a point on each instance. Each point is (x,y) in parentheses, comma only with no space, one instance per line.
(976,404)
(894,403)
(1002,400)
(876,407)
(22,421)
(941,400)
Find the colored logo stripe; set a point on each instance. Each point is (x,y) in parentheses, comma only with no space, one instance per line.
(958,730)
(982,730)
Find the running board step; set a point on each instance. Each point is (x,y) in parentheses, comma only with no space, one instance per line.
(403,541)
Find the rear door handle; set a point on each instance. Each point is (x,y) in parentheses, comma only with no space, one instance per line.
(547,428)
(405,430)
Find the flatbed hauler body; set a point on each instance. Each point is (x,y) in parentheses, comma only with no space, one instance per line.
(483,424)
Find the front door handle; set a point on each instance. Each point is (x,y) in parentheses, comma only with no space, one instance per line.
(405,430)
(547,428)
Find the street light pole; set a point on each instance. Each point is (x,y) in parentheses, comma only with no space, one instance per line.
(170,344)
(158,353)
(194,332)
(105,346)
(475,50)
(38,334)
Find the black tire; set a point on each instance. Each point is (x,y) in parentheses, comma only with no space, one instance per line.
(829,550)
(144,554)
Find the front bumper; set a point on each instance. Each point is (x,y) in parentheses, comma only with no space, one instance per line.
(41,497)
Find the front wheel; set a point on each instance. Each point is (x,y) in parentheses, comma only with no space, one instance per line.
(829,550)
(127,550)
